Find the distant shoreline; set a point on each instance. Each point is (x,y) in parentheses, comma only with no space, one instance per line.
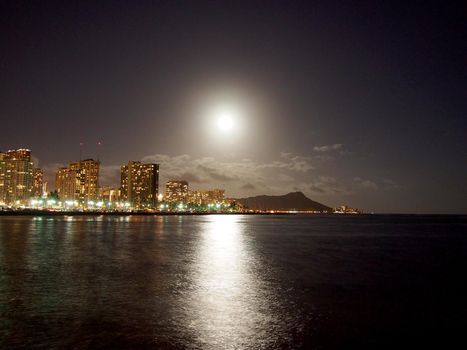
(81,213)
(116,213)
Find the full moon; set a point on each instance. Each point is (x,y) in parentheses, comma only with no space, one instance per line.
(225,122)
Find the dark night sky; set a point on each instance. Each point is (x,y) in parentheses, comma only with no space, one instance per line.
(362,103)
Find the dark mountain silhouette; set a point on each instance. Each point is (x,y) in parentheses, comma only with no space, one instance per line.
(290,201)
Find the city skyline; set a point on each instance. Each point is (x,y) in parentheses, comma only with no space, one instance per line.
(352,104)
(78,189)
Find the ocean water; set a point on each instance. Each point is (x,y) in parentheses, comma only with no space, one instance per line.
(232,282)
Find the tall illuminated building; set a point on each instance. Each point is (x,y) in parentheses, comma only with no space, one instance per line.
(139,184)
(176,191)
(79,181)
(65,183)
(16,176)
(88,179)
(37,182)
(3,174)
(3,177)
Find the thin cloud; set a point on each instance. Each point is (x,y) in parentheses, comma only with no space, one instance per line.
(365,184)
(209,171)
(327,148)
(248,186)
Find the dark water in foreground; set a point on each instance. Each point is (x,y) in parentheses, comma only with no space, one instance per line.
(232,282)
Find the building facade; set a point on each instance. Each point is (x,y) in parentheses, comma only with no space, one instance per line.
(205,197)
(139,184)
(176,191)
(3,177)
(65,183)
(37,182)
(16,177)
(79,181)
(109,194)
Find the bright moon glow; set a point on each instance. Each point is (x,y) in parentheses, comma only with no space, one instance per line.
(225,122)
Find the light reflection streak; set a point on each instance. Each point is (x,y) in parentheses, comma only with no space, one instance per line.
(224,305)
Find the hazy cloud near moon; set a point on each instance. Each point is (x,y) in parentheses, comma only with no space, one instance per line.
(237,176)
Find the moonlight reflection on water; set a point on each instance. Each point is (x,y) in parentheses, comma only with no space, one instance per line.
(230,282)
(227,305)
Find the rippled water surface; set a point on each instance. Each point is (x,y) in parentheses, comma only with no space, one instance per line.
(232,282)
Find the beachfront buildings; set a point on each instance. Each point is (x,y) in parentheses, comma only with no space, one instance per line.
(139,184)
(16,177)
(176,191)
(79,181)
(205,197)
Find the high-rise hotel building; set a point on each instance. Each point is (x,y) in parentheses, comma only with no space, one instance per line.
(16,176)
(3,176)
(78,181)
(139,184)
(37,182)
(176,191)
